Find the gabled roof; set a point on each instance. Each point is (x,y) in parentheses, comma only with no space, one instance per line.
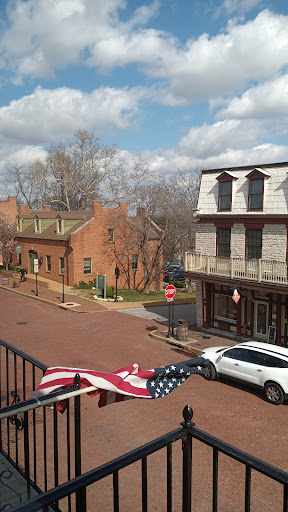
(50,233)
(227,175)
(258,172)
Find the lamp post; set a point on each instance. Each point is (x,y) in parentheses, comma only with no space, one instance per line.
(63,274)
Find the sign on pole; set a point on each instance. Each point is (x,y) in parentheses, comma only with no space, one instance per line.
(18,249)
(236,296)
(170,292)
(36,266)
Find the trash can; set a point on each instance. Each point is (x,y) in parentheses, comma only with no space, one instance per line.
(5,279)
(182,330)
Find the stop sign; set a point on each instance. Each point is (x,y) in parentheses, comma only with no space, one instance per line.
(170,291)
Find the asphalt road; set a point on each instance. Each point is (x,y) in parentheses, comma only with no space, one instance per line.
(160,313)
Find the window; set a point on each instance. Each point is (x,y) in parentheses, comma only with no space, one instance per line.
(223,242)
(48,263)
(111,235)
(59,226)
(87,266)
(256,187)
(37,225)
(134,261)
(236,353)
(61,265)
(225,195)
(253,244)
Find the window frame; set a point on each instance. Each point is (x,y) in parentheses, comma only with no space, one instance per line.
(47,265)
(134,259)
(221,196)
(60,265)
(37,225)
(249,247)
(254,195)
(111,239)
(90,268)
(19,224)
(222,245)
(59,231)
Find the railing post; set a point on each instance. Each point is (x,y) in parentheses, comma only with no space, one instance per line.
(81,494)
(188,425)
(259,271)
(232,267)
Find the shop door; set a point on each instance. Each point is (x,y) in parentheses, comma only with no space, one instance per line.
(261,320)
(32,256)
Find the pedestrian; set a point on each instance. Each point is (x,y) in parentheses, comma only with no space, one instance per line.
(22,272)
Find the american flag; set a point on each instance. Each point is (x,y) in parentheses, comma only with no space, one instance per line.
(125,383)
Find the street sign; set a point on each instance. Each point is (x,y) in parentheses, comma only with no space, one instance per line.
(236,296)
(170,292)
(18,249)
(36,267)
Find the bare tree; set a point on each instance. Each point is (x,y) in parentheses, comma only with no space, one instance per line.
(7,238)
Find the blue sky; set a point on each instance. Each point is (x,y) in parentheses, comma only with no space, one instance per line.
(189,84)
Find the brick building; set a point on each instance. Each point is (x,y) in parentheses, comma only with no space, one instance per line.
(241,244)
(84,243)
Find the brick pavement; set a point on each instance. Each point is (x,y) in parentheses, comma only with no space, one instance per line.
(106,340)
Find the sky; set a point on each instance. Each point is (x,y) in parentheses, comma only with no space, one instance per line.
(189,84)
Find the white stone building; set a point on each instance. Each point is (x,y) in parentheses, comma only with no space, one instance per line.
(241,244)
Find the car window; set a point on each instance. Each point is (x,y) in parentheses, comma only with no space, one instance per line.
(256,358)
(236,353)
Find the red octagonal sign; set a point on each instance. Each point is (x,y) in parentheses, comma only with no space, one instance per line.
(170,291)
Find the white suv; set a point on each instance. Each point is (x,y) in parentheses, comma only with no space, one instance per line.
(259,364)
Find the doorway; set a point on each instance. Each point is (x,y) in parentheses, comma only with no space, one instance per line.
(261,320)
(32,256)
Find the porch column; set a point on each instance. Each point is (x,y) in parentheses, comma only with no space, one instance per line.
(278,319)
(208,305)
(239,318)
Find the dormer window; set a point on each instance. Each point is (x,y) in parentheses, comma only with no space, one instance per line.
(19,224)
(37,225)
(225,191)
(256,189)
(59,226)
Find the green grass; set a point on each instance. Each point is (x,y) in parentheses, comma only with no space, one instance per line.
(137,296)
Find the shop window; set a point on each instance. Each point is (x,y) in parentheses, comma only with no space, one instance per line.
(87,266)
(253,244)
(256,189)
(134,261)
(223,242)
(61,265)
(225,195)
(48,263)
(111,235)
(225,309)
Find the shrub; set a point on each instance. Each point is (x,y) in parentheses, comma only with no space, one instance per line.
(178,285)
(14,268)
(109,291)
(84,286)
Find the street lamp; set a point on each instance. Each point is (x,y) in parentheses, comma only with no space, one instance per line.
(63,274)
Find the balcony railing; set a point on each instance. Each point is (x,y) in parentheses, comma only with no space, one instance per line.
(269,271)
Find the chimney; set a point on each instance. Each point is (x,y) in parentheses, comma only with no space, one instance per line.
(23,209)
(96,207)
(141,211)
(124,208)
(46,208)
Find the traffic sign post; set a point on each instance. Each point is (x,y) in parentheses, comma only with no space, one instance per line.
(117,273)
(36,268)
(170,292)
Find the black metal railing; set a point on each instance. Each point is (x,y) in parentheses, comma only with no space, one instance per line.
(188,432)
(29,439)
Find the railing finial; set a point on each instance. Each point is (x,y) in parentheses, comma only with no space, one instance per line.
(77,381)
(187,415)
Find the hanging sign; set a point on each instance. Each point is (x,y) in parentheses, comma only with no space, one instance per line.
(272,334)
(236,296)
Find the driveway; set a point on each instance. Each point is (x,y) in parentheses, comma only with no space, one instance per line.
(160,313)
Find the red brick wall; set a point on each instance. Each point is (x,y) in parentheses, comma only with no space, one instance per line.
(9,208)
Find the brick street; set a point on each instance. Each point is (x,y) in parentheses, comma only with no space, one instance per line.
(106,340)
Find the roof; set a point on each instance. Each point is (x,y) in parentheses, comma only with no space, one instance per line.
(247,167)
(50,233)
(154,232)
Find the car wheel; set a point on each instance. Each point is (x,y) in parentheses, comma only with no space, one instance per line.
(274,393)
(210,372)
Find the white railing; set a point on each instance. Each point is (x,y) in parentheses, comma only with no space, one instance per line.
(237,268)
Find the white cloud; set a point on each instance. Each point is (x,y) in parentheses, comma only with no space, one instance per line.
(45,35)
(47,115)
(239,6)
(267,100)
